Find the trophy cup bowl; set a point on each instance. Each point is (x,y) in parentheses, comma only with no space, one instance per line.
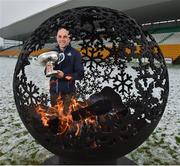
(48,59)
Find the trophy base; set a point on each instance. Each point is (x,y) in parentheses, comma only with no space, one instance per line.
(52,73)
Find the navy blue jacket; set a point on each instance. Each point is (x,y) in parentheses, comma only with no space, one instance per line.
(71,66)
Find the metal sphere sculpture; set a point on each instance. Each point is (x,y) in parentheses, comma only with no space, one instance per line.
(123,66)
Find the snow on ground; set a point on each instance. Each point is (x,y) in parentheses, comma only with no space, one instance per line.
(19,147)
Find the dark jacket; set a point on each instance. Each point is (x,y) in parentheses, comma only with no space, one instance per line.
(71,66)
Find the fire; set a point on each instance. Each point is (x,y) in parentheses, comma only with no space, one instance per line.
(44,118)
(65,121)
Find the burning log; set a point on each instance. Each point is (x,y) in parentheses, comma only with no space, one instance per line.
(107,93)
(101,107)
(99,104)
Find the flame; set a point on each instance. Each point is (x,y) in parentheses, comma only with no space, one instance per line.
(66,122)
(44,118)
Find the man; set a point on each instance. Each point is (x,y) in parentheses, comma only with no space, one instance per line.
(70,69)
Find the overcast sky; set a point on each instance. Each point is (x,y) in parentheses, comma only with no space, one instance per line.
(14,10)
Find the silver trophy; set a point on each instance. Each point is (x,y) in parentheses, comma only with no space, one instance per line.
(48,59)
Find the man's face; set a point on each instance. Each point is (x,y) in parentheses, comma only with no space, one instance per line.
(63,38)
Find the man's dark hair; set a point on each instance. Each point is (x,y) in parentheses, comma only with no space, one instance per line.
(64,27)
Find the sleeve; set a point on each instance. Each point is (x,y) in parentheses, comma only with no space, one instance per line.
(78,72)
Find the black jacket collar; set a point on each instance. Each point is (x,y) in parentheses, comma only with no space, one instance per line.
(65,50)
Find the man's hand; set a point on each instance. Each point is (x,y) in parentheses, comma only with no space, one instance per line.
(60,74)
(68,78)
